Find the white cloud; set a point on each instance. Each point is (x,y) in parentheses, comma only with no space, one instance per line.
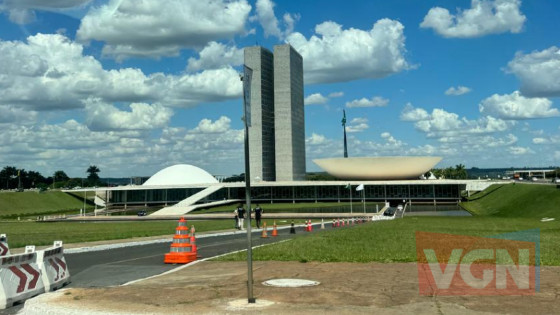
(483,18)
(375,101)
(516,106)
(490,141)
(215,56)
(337,55)
(357,125)
(72,146)
(539,72)
(554,139)
(50,72)
(448,127)
(206,126)
(153,28)
(319,146)
(315,98)
(23,11)
(104,117)
(460,90)
(409,113)
(520,150)
(269,22)
(336,94)
(557,155)
(315,139)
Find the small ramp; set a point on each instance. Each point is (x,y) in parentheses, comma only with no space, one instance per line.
(189,204)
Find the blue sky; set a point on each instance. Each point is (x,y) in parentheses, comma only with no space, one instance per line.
(135,86)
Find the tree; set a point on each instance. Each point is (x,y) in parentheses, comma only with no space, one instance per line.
(9,177)
(60,176)
(93,178)
(33,179)
(460,172)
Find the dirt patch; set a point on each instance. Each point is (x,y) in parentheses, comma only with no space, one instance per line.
(346,288)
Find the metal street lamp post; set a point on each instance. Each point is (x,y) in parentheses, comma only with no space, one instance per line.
(247,77)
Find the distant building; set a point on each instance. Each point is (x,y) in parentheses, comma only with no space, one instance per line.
(277,133)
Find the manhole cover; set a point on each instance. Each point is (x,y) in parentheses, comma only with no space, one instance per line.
(290,283)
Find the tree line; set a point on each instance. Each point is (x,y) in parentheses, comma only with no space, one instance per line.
(457,172)
(13,178)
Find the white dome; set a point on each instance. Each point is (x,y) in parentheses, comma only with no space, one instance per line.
(181,174)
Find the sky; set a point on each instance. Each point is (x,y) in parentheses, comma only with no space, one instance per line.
(134,86)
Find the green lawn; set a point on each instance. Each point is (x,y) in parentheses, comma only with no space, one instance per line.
(394,241)
(21,234)
(518,200)
(14,204)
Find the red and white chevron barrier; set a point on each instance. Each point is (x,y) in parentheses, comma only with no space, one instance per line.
(4,249)
(20,277)
(53,267)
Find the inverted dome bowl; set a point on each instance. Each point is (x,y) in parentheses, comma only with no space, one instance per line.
(381,167)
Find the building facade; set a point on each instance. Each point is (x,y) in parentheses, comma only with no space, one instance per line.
(261,132)
(289,114)
(277,132)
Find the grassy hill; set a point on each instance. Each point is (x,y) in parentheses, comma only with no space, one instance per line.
(517,200)
(29,203)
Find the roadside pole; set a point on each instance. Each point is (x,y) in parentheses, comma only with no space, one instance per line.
(247,77)
(350,198)
(364,198)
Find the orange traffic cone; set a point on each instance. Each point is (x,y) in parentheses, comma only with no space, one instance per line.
(274,231)
(337,222)
(193,240)
(181,251)
(310,226)
(264,234)
(343,223)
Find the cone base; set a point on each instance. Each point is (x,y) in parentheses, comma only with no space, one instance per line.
(179,258)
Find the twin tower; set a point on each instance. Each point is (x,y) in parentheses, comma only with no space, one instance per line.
(277,133)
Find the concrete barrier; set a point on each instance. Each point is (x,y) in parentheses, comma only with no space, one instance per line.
(54,271)
(20,277)
(4,249)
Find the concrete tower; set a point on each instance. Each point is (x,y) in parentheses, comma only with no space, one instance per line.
(261,132)
(277,133)
(289,117)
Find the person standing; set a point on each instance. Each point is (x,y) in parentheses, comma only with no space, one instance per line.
(258,214)
(235,217)
(240,216)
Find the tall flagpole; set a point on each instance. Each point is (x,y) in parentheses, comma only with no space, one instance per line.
(247,77)
(344,128)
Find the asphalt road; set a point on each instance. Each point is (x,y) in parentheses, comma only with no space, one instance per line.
(118,266)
